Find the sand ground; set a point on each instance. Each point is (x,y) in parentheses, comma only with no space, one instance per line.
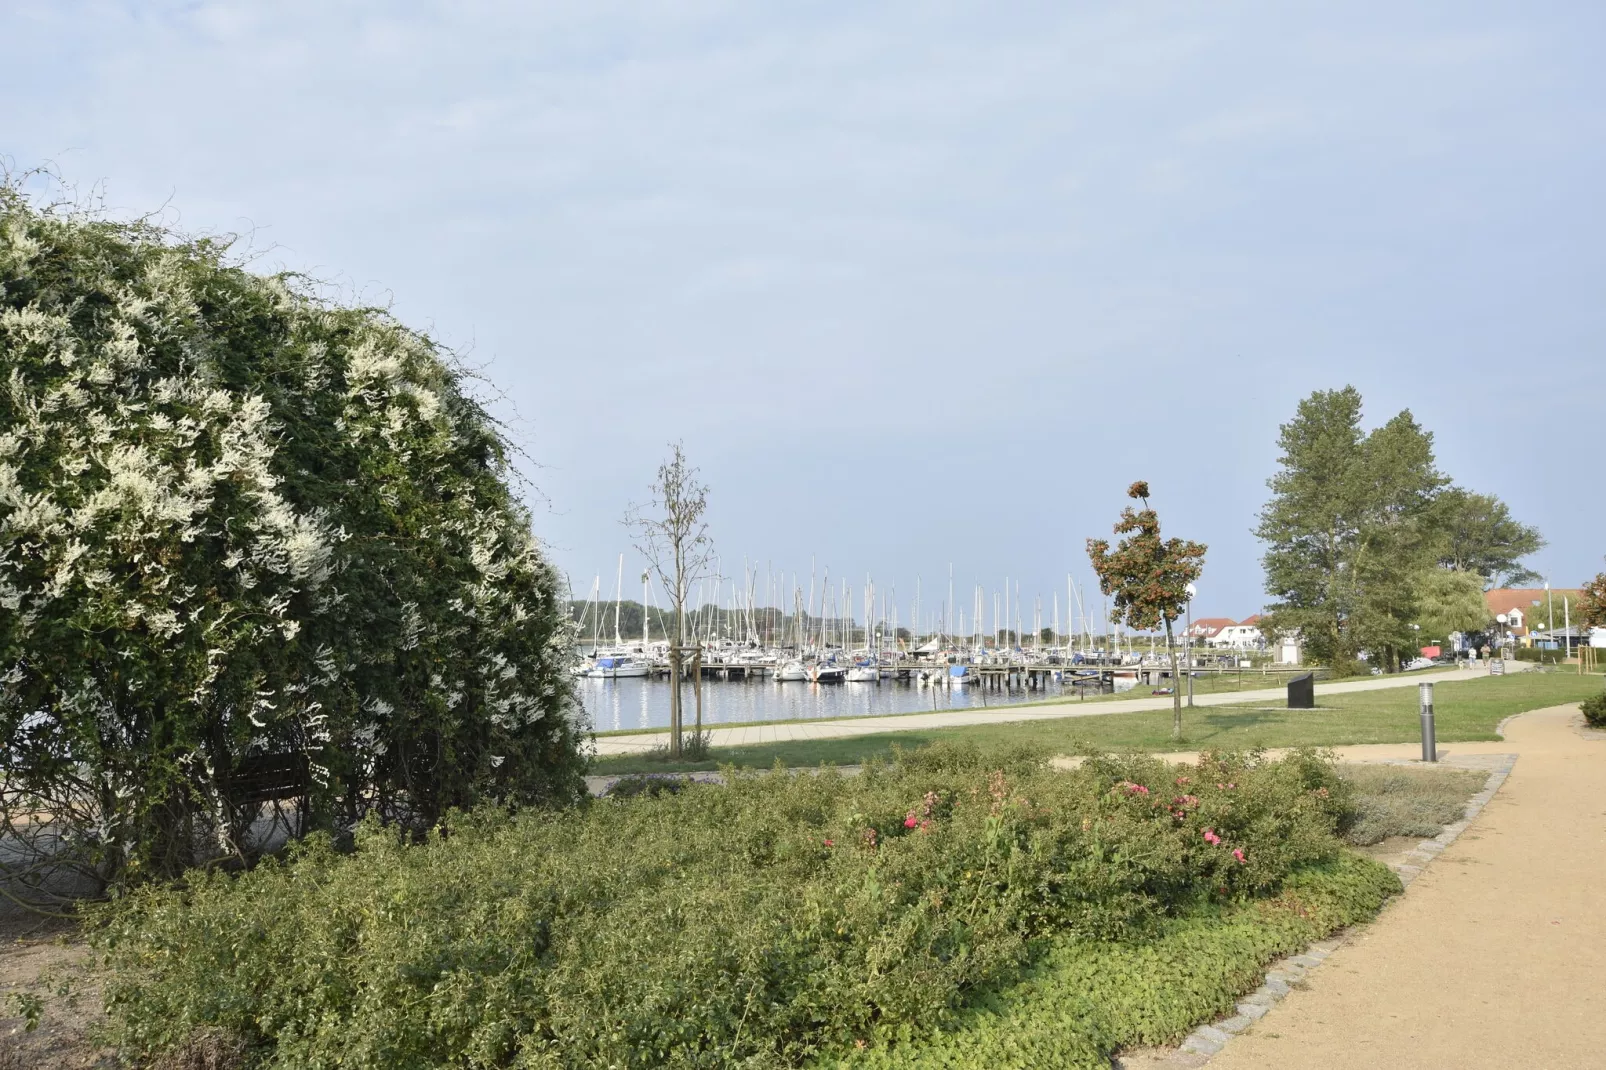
(1496,956)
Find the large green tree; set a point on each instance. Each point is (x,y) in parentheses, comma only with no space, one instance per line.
(1344,526)
(1357,522)
(252,543)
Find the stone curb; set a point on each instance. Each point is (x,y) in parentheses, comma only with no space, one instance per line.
(1205,1041)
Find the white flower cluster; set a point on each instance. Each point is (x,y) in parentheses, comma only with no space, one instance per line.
(226,503)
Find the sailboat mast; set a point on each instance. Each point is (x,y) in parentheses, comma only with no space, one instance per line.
(618,596)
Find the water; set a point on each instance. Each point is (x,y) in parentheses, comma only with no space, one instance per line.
(644,702)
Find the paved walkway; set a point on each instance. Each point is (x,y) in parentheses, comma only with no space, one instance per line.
(1495,958)
(748,735)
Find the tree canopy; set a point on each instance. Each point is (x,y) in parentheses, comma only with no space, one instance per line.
(1591,608)
(1448,601)
(1356,523)
(243,527)
(1479,535)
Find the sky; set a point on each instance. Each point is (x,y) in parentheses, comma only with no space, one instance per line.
(917,284)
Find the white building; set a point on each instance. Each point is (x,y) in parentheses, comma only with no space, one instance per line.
(1245,635)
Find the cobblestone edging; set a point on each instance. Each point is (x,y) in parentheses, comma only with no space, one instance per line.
(1283,974)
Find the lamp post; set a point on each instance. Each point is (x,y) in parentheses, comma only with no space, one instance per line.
(1550,614)
(1430,752)
(1188,636)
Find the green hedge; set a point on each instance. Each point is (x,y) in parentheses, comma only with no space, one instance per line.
(1543,657)
(766,923)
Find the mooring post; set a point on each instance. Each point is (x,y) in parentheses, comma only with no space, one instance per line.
(1430,752)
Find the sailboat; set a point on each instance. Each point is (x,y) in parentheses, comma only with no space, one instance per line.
(865,672)
(620,666)
(619,663)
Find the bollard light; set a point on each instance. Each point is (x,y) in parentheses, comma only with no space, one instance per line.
(1430,751)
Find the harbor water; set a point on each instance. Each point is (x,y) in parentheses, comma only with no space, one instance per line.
(643,702)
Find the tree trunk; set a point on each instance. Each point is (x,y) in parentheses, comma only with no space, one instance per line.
(674,701)
(1176,683)
(697,691)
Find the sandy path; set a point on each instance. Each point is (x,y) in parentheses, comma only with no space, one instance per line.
(1495,957)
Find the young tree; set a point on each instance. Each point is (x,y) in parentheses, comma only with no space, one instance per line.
(673,536)
(1148,578)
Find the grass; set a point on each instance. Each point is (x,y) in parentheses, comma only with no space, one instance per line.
(1465,710)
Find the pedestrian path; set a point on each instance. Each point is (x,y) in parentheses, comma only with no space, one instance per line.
(1494,958)
(749,735)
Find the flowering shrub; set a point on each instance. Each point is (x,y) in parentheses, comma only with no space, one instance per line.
(761,923)
(243,528)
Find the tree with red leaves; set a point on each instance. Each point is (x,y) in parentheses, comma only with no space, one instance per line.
(1148,578)
(1592,606)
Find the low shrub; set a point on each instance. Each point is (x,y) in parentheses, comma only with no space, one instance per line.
(763,923)
(628,787)
(1595,710)
(1391,800)
(1344,668)
(1541,657)
(1084,999)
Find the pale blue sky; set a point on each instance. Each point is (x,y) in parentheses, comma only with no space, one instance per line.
(916,283)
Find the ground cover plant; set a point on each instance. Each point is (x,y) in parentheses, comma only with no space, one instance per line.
(1082,1000)
(1465,710)
(769,922)
(1395,800)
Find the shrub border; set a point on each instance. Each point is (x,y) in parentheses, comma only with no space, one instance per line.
(1205,1041)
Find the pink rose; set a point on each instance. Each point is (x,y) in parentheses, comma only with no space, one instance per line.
(1211,837)
(1238,853)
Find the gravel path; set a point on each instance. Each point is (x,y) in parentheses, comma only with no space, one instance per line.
(1495,957)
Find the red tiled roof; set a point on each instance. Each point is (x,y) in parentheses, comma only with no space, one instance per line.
(1209,626)
(1505,599)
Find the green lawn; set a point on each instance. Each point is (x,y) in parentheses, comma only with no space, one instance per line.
(1468,710)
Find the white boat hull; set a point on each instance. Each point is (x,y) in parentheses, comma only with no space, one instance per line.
(790,674)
